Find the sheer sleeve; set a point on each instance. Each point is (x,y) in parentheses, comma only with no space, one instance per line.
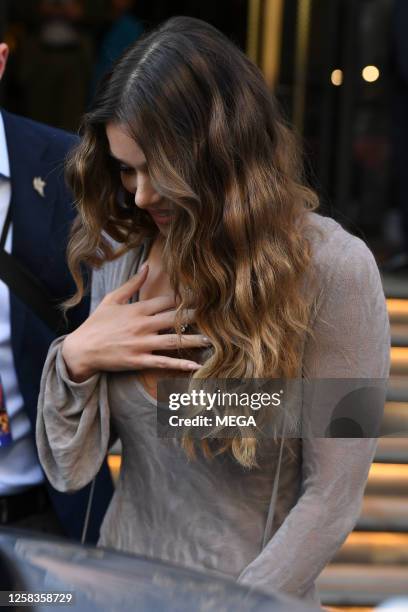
(73,419)
(351,340)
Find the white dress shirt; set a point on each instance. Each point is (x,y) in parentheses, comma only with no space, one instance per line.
(19,466)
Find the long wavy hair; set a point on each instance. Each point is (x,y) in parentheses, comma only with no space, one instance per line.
(217,147)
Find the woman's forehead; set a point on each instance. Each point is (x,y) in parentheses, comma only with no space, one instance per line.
(123,146)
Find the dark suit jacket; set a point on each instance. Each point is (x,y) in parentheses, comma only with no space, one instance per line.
(40,233)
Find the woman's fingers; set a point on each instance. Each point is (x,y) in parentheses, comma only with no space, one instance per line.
(171,342)
(164,320)
(164,363)
(156,305)
(125,292)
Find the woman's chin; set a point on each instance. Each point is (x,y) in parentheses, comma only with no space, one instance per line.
(163,227)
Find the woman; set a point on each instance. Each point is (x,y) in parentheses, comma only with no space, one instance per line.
(217,208)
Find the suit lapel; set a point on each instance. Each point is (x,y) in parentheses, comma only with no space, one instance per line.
(31,213)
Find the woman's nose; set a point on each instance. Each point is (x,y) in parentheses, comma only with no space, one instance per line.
(145,194)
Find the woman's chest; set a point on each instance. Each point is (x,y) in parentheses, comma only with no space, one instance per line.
(158,284)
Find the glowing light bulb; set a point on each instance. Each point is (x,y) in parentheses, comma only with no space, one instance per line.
(370,74)
(337,77)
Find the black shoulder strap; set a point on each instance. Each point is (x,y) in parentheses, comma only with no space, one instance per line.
(31,291)
(5,229)
(27,287)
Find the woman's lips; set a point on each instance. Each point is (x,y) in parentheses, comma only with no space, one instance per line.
(162,216)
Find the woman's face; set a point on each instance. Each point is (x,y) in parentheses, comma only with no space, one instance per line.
(135,175)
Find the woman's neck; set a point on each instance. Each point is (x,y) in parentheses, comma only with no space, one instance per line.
(157,282)
(156,249)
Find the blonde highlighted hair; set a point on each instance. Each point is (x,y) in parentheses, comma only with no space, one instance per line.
(217,147)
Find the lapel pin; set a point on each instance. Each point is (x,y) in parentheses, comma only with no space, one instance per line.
(39,185)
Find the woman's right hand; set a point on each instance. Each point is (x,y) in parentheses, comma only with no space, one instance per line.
(121,336)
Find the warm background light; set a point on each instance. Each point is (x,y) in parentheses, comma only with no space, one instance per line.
(371,74)
(337,77)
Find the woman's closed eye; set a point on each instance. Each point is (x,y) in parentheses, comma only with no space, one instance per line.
(123,169)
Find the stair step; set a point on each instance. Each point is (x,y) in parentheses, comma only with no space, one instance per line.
(399,334)
(392,450)
(356,584)
(384,513)
(348,609)
(398,310)
(398,388)
(395,419)
(374,548)
(388,479)
(395,285)
(114,462)
(399,361)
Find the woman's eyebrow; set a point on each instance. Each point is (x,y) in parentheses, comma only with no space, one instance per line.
(141,166)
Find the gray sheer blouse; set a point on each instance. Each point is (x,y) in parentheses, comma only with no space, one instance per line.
(215,515)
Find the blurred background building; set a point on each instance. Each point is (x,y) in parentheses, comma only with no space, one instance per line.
(340,71)
(337,67)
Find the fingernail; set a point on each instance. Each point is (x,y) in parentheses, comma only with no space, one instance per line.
(207,340)
(143,266)
(193,366)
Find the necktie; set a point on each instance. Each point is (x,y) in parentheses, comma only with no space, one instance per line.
(5,433)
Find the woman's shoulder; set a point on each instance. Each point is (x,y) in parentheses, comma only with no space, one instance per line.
(330,242)
(338,257)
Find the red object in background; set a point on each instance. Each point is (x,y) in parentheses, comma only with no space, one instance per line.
(5,433)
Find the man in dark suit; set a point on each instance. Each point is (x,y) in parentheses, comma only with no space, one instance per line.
(35,232)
